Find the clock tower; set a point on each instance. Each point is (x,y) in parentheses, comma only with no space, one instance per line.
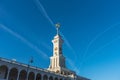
(57,61)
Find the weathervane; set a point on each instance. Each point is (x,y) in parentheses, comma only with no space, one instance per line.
(57,27)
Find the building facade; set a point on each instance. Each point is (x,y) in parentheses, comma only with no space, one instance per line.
(13,70)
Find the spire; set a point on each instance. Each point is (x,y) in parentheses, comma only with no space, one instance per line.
(57,27)
(57,61)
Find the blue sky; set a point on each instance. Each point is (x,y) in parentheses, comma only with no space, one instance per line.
(90,29)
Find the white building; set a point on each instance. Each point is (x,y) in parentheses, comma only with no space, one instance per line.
(12,70)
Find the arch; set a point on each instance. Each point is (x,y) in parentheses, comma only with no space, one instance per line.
(56,78)
(13,74)
(38,77)
(31,76)
(50,78)
(45,77)
(23,75)
(3,72)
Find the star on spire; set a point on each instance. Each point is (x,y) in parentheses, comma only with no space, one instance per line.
(57,25)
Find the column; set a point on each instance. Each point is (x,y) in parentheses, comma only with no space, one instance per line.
(27,75)
(54,62)
(41,76)
(48,77)
(18,75)
(35,77)
(8,74)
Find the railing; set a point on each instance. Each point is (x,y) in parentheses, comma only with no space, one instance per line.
(17,63)
(26,65)
(31,67)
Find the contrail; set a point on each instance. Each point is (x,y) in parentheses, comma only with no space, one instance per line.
(47,46)
(43,11)
(73,65)
(24,40)
(69,45)
(33,46)
(94,39)
(107,44)
(102,47)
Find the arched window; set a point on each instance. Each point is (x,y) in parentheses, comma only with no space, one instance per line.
(13,74)
(50,78)
(31,76)
(3,72)
(45,77)
(56,78)
(38,77)
(23,75)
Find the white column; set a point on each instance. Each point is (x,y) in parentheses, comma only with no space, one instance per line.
(18,75)
(41,76)
(56,61)
(48,77)
(52,62)
(8,74)
(27,75)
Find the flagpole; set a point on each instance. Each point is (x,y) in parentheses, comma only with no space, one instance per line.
(28,66)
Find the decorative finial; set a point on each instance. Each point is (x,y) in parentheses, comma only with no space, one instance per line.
(57,27)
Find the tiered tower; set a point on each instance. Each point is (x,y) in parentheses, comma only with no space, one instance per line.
(57,61)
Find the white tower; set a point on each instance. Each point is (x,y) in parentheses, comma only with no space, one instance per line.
(57,61)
